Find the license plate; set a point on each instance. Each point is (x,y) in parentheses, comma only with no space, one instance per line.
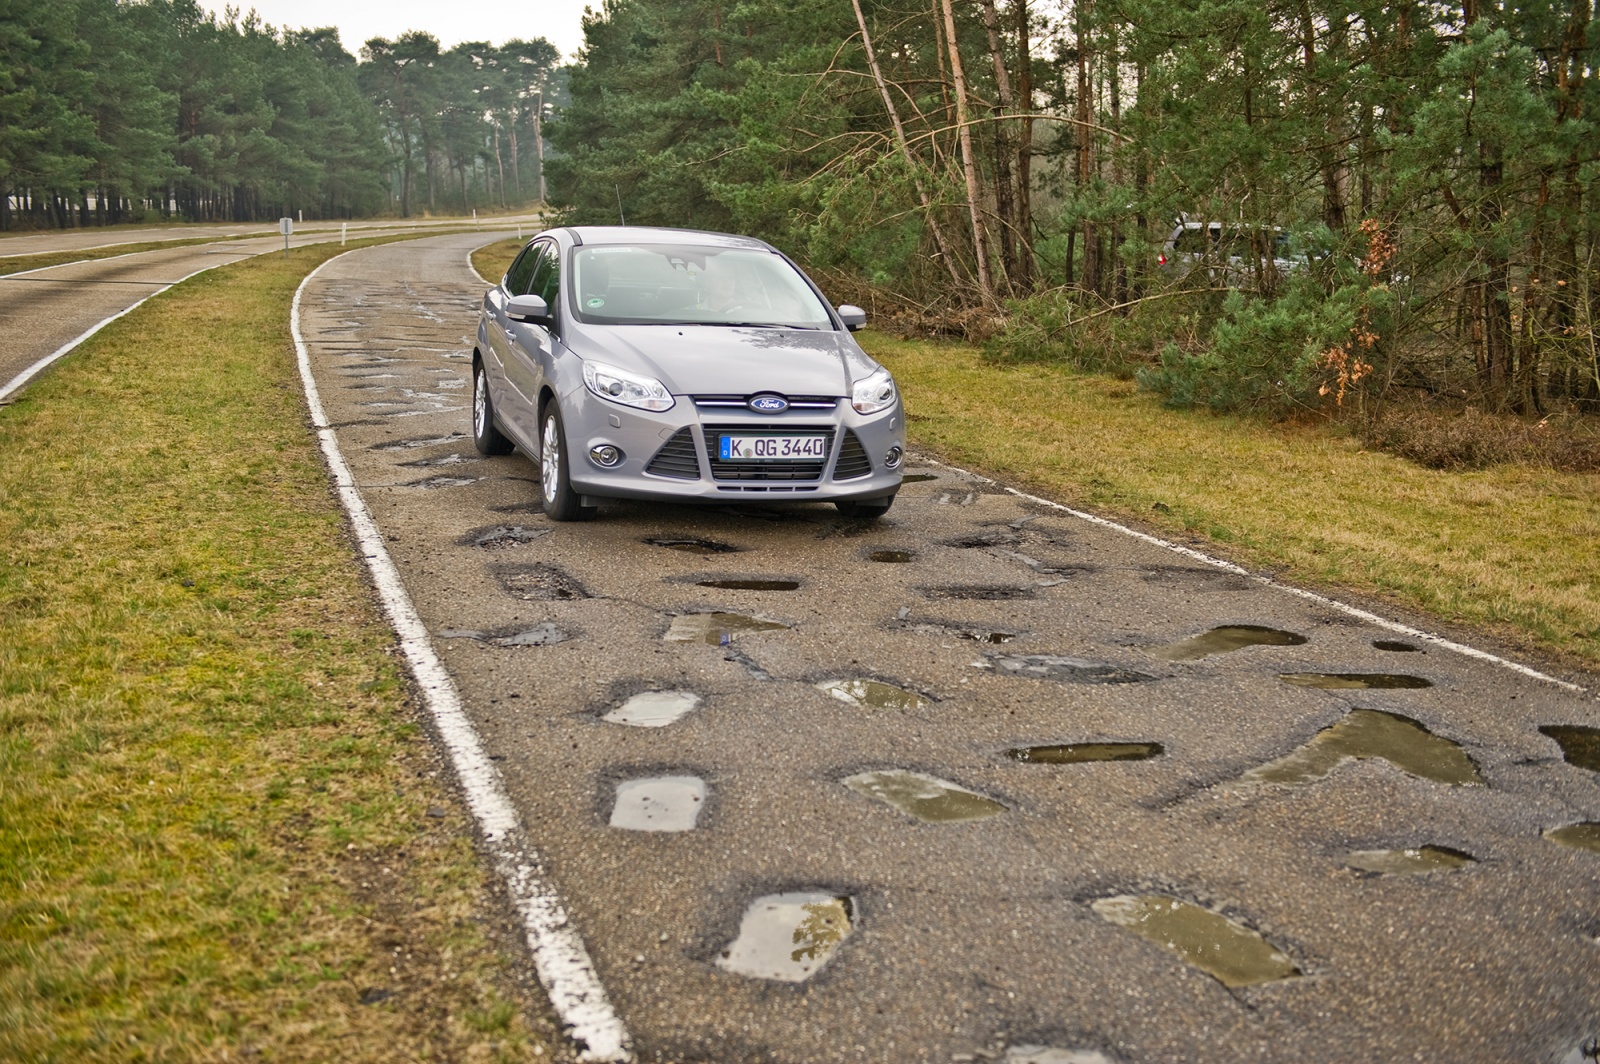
(772,448)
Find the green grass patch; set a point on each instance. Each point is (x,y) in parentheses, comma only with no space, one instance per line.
(215,798)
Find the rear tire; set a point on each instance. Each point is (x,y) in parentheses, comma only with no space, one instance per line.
(486,435)
(865,509)
(561,503)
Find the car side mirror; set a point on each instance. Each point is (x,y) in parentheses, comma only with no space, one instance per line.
(529,308)
(854,318)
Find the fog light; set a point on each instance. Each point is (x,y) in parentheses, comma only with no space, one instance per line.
(605,455)
(892,459)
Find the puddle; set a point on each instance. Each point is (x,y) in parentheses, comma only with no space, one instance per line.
(704,547)
(659,803)
(1228,637)
(505,536)
(788,937)
(1409,862)
(716,629)
(873,694)
(1365,733)
(892,556)
(443,482)
(653,709)
(1579,745)
(1082,753)
(541,583)
(977,593)
(1584,835)
(1071,670)
(751,585)
(543,635)
(927,798)
(1394,646)
(425,441)
(1231,953)
(1355,681)
(1052,1055)
(917,478)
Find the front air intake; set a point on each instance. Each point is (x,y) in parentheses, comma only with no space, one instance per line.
(677,458)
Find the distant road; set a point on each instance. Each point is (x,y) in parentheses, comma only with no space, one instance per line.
(44,312)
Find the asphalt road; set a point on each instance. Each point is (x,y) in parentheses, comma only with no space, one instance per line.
(35,243)
(978,939)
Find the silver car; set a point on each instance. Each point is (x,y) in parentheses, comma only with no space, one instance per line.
(684,366)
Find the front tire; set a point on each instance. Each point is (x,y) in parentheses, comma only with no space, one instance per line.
(486,435)
(561,503)
(865,509)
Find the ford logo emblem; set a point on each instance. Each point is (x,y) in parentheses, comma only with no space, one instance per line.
(769,404)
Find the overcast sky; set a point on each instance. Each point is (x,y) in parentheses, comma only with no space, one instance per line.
(495,21)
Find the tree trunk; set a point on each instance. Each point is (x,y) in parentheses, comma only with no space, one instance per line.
(1005,200)
(969,165)
(1024,275)
(1090,281)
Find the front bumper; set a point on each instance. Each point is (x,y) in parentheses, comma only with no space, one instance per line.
(673,455)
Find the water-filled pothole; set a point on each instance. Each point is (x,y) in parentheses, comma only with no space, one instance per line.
(1031,1054)
(504,536)
(541,583)
(750,584)
(1584,835)
(1071,670)
(1579,745)
(653,709)
(659,803)
(1395,646)
(788,937)
(1368,733)
(542,635)
(1228,637)
(926,798)
(1408,862)
(716,628)
(893,556)
(873,694)
(1082,753)
(690,545)
(1356,681)
(990,636)
(1229,952)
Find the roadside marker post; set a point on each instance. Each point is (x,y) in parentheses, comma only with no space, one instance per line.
(286,227)
(343,228)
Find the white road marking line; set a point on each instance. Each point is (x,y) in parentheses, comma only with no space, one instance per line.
(562,961)
(1267,581)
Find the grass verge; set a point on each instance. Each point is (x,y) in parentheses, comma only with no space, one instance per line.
(222,832)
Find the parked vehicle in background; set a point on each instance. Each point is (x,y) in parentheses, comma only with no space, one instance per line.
(1227,255)
(677,365)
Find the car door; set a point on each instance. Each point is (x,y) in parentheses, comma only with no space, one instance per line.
(529,347)
(497,330)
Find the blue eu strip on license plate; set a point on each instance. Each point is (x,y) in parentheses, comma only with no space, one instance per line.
(772,448)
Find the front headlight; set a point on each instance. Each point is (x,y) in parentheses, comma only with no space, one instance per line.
(629,389)
(872,394)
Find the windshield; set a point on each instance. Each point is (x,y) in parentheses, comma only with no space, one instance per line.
(681,284)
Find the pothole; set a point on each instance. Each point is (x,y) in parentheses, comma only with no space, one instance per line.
(873,694)
(926,798)
(541,583)
(716,628)
(1229,952)
(978,592)
(542,635)
(978,634)
(1579,745)
(1369,733)
(420,441)
(1070,670)
(1185,577)
(1082,753)
(789,937)
(1408,862)
(1395,646)
(434,483)
(892,555)
(1584,835)
(917,478)
(443,460)
(750,584)
(504,536)
(689,545)
(1226,638)
(659,803)
(1356,681)
(653,709)
(998,538)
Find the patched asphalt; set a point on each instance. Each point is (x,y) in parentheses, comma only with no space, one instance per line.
(972,937)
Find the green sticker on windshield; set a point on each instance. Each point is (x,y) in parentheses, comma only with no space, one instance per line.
(596,302)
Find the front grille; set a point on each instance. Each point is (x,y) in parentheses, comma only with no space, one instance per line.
(741,402)
(853,461)
(676,458)
(764,471)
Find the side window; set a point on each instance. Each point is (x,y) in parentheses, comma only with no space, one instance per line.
(521,271)
(547,278)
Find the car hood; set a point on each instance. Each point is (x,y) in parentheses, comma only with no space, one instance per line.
(722,360)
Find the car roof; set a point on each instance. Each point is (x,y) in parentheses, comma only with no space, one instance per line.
(643,234)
